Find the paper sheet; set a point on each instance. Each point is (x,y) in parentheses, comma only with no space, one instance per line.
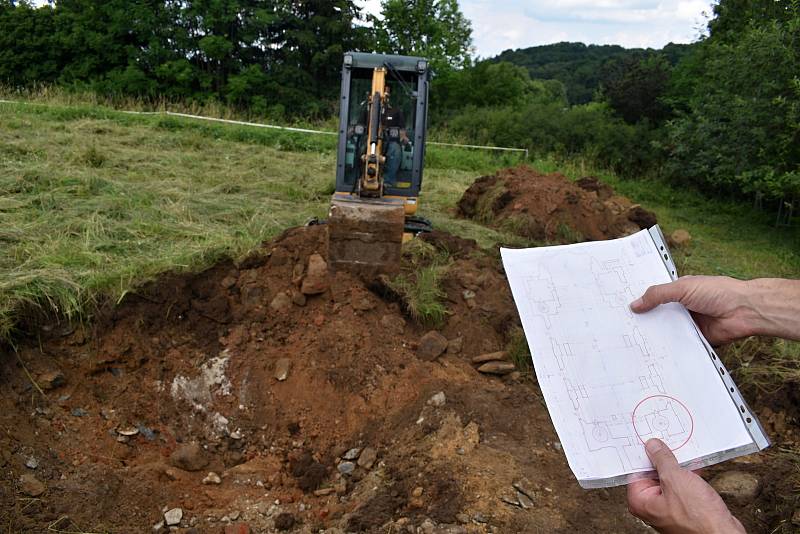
(613,379)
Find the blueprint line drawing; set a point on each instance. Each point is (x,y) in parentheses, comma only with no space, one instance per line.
(613,379)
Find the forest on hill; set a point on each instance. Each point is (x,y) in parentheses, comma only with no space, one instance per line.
(721,115)
(580,67)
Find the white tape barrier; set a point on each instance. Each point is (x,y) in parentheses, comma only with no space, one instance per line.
(275,127)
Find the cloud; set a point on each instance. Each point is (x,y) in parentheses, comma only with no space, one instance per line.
(497,26)
(630,23)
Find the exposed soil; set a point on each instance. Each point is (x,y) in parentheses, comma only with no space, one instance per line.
(181,379)
(550,207)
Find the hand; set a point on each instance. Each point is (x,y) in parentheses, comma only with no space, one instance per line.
(719,304)
(680,502)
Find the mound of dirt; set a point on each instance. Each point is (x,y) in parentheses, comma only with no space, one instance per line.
(550,207)
(267,396)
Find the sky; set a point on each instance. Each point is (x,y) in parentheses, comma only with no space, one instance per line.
(500,25)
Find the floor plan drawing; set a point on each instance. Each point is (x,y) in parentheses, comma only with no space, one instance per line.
(613,379)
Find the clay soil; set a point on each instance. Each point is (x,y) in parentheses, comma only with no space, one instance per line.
(550,207)
(180,380)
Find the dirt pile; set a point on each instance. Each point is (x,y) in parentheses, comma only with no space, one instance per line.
(274,396)
(550,207)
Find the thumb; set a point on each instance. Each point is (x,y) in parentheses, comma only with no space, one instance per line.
(659,294)
(662,459)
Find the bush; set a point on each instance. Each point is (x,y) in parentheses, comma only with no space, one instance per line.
(550,128)
(738,132)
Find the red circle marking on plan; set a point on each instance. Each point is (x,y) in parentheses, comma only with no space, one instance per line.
(668,397)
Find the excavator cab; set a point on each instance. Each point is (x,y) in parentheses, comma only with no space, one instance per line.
(380,159)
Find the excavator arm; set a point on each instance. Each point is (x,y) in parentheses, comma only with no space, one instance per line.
(372,178)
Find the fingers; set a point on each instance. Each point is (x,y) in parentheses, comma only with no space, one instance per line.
(657,295)
(662,459)
(645,500)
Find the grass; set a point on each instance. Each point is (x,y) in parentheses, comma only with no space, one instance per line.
(420,288)
(484,209)
(765,364)
(94,201)
(518,351)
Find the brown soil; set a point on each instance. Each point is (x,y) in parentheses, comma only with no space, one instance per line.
(550,207)
(190,361)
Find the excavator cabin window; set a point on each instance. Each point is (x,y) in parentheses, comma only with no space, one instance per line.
(398,116)
(402,122)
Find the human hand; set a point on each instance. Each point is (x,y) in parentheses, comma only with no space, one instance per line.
(679,502)
(720,305)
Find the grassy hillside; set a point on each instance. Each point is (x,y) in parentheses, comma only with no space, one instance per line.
(94,201)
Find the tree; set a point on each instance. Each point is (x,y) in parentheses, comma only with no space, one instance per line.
(434,29)
(734,17)
(29,52)
(310,41)
(490,84)
(634,87)
(739,130)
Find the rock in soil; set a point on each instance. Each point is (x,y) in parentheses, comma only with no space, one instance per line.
(438,400)
(281,302)
(737,485)
(454,346)
(298,298)
(189,457)
(237,528)
(316,279)
(30,485)
(367,458)
(524,500)
(282,369)
(497,368)
(352,454)
(346,468)
(51,380)
(490,357)
(212,478)
(284,521)
(523,486)
(173,517)
(431,346)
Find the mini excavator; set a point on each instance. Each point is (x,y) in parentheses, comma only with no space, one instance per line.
(381,150)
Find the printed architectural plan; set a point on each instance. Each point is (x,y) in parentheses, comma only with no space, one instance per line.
(613,379)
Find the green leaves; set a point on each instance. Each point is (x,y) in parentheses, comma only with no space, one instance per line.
(271,54)
(434,29)
(737,131)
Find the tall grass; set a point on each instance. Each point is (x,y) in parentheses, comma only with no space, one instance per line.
(419,288)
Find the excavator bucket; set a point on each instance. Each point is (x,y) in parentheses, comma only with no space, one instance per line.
(365,238)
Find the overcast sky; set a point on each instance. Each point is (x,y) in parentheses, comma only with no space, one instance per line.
(499,25)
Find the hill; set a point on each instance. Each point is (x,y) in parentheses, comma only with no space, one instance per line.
(578,66)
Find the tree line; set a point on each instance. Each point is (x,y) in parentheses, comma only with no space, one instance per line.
(722,114)
(271,56)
